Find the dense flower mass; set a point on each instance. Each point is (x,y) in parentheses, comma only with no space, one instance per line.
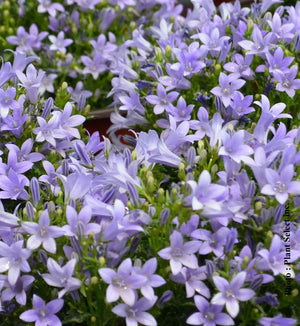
(193,219)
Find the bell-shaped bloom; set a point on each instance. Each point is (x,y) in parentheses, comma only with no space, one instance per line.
(43,313)
(281,184)
(179,253)
(231,293)
(42,233)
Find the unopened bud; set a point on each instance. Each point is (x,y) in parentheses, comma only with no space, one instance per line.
(64,86)
(245,262)
(158,55)
(161,195)
(150,183)
(94,280)
(174,194)
(250,24)
(168,52)
(218,67)
(133,155)
(181,172)
(102,261)
(258,205)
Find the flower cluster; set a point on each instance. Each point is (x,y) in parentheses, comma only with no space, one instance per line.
(78,41)
(194,219)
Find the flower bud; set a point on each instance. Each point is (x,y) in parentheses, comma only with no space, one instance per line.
(150,183)
(258,206)
(168,52)
(174,194)
(250,24)
(35,190)
(158,55)
(102,261)
(64,86)
(166,297)
(30,210)
(164,215)
(210,268)
(161,195)
(133,193)
(181,172)
(256,282)
(94,280)
(218,67)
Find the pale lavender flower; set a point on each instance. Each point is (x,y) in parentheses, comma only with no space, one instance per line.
(12,186)
(7,101)
(192,278)
(24,153)
(153,280)
(5,73)
(235,148)
(122,283)
(61,276)
(18,290)
(87,4)
(22,40)
(76,185)
(189,59)
(31,81)
(209,314)
(14,260)
(14,165)
(136,314)
(59,43)
(42,233)
(49,130)
(182,111)
(162,32)
(280,184)
(79,224)
(94,66)
(180,253)
(175,78)
(27,42)
(78,91)
(68,121)
(212,41)
(228,86)
(33,78)
(50,178)
(15,122)
(273,259)
(277,321)
(231,293)
(204,192)
(281,32)
(47,83)
(51,8)
(241,105)
(276,62)
(241,66)
(287,82)
(162,101)
(43,314)
(260,44)
(132,102)
(211,242)
(21,61)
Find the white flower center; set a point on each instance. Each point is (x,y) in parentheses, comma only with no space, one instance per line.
(279,187)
